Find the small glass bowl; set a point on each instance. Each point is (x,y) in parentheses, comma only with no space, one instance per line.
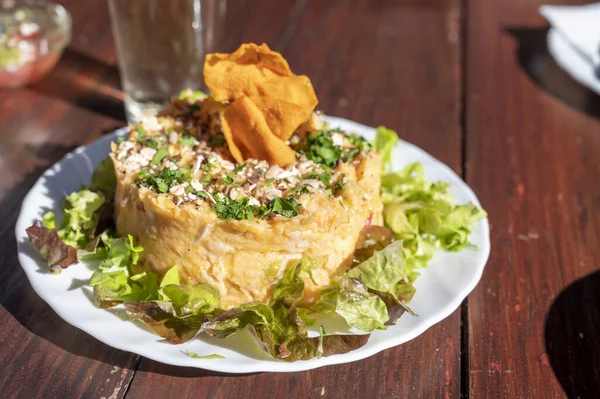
(33,35)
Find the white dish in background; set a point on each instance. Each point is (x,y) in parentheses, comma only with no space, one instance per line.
(572,61)
(440,289)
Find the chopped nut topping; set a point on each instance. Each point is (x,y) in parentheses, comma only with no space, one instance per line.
(201,169)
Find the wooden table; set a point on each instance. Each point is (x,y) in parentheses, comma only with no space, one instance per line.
(469,81)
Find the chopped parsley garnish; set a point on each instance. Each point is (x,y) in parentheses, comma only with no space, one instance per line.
(325,178)
(190,189)
(303,189)
(227,179)
(239,168)
(141,131)
(287,207)
(217,140)
(360,142)
(187,140)
(162,182)
(210,162)
(206,178)
(240,209)
(147,142)
(320,148)
(161,153)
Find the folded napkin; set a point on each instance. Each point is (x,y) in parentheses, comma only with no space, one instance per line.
(580,25)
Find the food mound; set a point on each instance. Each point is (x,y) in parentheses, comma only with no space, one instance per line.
(236,216)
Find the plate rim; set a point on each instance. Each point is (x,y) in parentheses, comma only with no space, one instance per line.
(276,365)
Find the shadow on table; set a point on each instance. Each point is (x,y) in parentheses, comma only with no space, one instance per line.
(151,366)
(17,295)
(533,56)
(573,339)
(86,82)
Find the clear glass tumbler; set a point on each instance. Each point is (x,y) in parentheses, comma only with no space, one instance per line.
(161,46)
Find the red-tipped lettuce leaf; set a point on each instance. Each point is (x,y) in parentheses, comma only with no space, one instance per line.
(55,252)
(174,329)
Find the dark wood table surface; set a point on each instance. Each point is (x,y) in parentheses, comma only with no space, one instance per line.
(469,81)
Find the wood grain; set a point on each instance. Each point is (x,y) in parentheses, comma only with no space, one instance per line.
(376,62)
(533,144)
(41,355)
(531,152)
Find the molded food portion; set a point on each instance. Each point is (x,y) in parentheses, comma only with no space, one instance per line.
(243,259)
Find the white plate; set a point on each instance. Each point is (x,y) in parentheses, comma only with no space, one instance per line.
(440,288)
(568,58)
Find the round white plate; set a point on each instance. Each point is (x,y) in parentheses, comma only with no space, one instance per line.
(568,58)
(440,288)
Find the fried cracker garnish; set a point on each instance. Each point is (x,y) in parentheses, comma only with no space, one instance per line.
(256,139)
(267,102)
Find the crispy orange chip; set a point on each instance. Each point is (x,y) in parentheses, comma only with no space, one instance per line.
(268,102)
(244,72)
(282,117)
(249,136)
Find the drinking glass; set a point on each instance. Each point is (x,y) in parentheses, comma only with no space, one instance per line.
(161,46)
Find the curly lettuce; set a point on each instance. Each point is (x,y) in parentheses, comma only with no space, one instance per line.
(421,217)
(56,253)
(385,142)
(424,215)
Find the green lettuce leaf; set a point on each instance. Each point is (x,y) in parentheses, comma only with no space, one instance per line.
(171,277)
(278,328)
(79,216)
(113,281)
(115,253)
(360,308)
(104,179)
(290,287)
(86,214)
(385,142)
(179,318)
(174,329)
(49,220)
(192,299)
(383,271)
(425,216)
(234,320)
(327,302)
(143,288)
(374,293)
(108,287)
(206,357)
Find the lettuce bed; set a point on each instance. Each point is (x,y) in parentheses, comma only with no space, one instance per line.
(421,217)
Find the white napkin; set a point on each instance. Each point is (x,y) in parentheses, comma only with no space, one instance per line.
(580,25)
